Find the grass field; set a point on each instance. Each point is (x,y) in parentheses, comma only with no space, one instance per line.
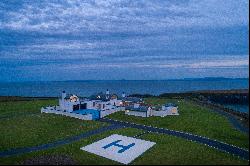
(194,119)
(23,125)
(18,108)
(168,150)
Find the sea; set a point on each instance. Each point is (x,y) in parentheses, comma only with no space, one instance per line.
(89,87)
(238,107)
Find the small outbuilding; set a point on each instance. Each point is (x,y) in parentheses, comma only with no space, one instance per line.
(141,111)
(167,109)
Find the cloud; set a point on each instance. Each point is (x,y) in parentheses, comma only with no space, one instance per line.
(67,16)
(107,37)
(210,62)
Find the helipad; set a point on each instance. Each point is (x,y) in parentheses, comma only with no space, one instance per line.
(119,148)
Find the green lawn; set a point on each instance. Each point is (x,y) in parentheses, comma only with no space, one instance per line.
(177,151)
(22,125)
(19,108)
(194,119)
(168,150)
(28,127)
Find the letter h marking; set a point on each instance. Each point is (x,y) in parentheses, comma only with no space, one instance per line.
(115,143)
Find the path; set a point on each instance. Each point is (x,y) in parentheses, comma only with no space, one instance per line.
(17,151)
(119,124)
(235,122)
(206,141)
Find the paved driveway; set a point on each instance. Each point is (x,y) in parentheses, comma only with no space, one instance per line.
(203,140)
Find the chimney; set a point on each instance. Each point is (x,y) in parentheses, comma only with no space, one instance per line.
(63,94)
(107,92)
(123,95)
(163,107)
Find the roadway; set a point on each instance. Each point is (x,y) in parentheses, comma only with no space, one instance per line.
(188,136)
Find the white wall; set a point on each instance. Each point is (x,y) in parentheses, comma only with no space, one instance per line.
(90,104)
(108,105)
(159,113)
(136,113)
(111,111)
(67,105)
(117,102)
(73,115)
(61,104)
(167,111)
(136,105)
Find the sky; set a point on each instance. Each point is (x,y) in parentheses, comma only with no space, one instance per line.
(52,40)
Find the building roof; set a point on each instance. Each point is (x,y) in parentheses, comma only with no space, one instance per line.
(98,96)
(103,97)
(83,99)
(139,109)
(170,105)
(70,95)
(132,99)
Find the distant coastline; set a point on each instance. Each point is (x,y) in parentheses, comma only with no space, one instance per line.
(177,79)
(87,88)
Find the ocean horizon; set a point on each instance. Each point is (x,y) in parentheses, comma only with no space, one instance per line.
(88,87)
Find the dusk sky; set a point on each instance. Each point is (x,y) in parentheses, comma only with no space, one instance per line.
(123,39)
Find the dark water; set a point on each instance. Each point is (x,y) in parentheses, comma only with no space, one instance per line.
(87,88)
(238,107)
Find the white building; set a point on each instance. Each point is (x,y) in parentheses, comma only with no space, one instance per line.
(98,106)
(166,110)
(68,102)
(101,105)
(147,111)
(131,101)
(141,111)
